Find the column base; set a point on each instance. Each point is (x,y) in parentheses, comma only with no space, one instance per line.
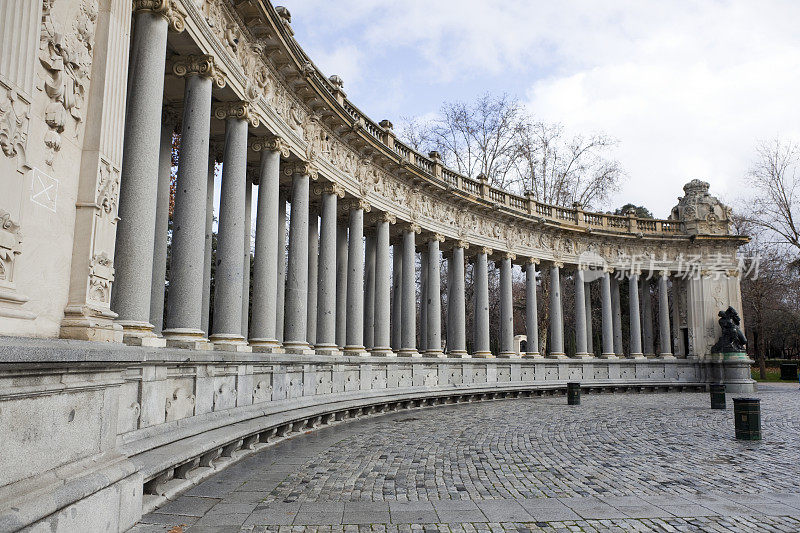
(88,324)
(408,352)
(435,353)
(608,356)
(187,338)
(356,351)
(327,349)
(666,356)
(557,355)
(483,355)
(509,355)
(382,352)
(533,355)
(229,342)
(265,346)
(135,333)
(584,355)
(298,348)
(459,354)
(637,356)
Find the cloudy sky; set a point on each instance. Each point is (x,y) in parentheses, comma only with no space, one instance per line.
(687,88)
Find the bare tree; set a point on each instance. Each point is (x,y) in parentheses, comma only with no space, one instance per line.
(774,180)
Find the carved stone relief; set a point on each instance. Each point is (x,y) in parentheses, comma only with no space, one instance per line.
(14,119)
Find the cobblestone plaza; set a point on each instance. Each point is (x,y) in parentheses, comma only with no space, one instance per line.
(638,462)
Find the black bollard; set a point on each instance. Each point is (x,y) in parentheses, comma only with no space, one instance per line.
(717,396)
(747,418)
(788,371)
(573,393)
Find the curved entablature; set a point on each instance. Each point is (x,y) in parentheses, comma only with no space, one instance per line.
(254,45)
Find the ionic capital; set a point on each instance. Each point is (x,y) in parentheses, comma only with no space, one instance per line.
(509,255)
(169,9)
(414,228)
(270,144)
(202,65)
(462,244)
(485,250)
(238,110)
(436,237)
(355,204)
(387,217)
(733,272)
(665,273)
(557,264)
(329,188)
(301,167)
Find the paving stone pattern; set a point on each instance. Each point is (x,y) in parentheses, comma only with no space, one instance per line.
(623,462)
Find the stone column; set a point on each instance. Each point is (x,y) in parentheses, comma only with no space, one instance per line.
(326,278)
(647,317)
(409,305)
(397,297)
(434,292)
(295,332)
(506,308)
(133,261)
(663,316)
(214,155)
(589,326)
(581,343)
(608,319)
(556,318)
(679,350)
(248,222)
(263,323)
(382,287)
(280,303)
(617,315)
(185,298)
(341,285)
(481,291)
(227,330)
(313,280)
(531,311)
(369,290)
(456,304)
(423,300)
(354,334)
(168,123)
(633,308)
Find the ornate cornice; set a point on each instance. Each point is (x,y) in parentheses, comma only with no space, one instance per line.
(270,144)
(202,65)
(171,10)
(240,110)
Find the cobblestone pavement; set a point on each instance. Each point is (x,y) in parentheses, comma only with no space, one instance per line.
(623,462)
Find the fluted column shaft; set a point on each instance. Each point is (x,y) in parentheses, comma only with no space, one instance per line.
(409,310)
(506,309)
(341,285)
(369,291)
(206,305)
(456,305)
(326,278)
(161,230)
(382,328)
(581,344)
(481,292)
(556,316)
(608,319)
(295,332)
(434,299)
(531,311)
(280,302)
(663,316)
(397,296)
(313,280)
(355,283)
(617,315)
(133,260)
(263,332)
(647,317)
(633,308)
(227,331)
(184,321)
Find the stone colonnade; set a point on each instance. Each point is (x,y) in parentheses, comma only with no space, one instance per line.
(345,284)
